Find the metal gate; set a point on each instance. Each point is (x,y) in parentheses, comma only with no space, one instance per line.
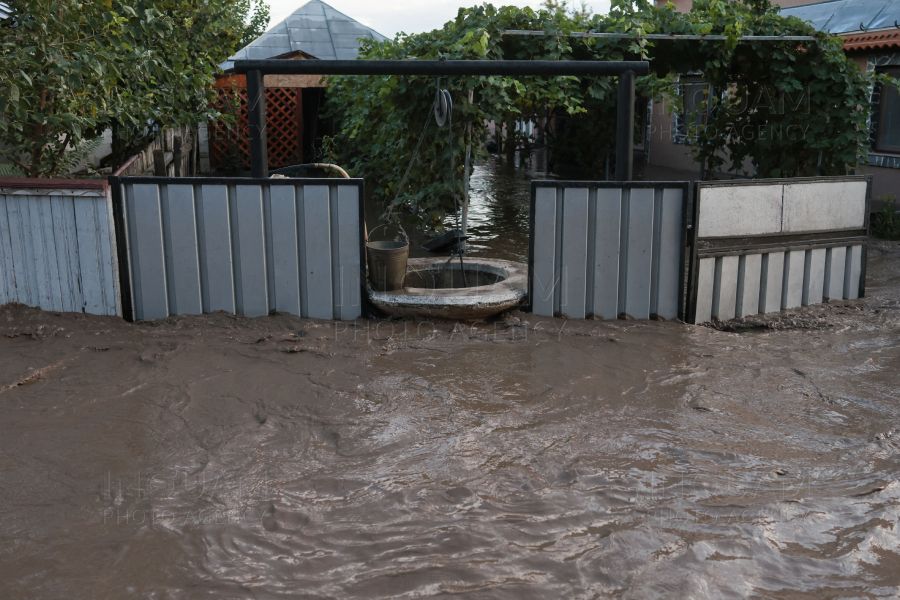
(607,249)
(246,246)
(761,246)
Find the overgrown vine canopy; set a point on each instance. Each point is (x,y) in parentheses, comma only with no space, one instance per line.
(810,92)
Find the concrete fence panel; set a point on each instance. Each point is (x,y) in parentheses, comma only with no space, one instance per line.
(762,246)
(607,250)
(58,246)
(245,246)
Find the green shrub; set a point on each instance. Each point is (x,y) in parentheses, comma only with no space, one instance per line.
(886,224)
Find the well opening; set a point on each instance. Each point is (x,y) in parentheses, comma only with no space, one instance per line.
(438,278)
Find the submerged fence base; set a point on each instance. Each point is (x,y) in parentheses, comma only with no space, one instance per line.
(241,245)
(607,249)
(769,245)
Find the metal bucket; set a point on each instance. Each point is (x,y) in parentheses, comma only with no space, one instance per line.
(387,262)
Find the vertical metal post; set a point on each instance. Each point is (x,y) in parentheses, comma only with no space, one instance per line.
(625,128)
(256,104)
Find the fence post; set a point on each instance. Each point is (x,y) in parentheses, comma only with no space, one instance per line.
(177,157)
(256,105)
(159,162)
(625,128)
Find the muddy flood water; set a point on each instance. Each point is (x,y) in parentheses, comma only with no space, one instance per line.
(223,457)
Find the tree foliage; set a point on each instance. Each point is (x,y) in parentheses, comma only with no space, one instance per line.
(73,68)
(824,93)
(257,18)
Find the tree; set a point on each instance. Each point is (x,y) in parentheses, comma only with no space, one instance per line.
(257,18)
(370,111)
(71,69)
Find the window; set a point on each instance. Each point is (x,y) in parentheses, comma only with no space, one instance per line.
(887,134)
(690,123)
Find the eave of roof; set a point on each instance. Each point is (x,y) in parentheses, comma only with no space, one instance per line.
(880,40)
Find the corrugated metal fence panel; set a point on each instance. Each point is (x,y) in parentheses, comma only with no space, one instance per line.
(607,250)
(58,250)
(768,245)
(244,246)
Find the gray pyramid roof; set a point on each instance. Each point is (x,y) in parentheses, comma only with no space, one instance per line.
(315,28)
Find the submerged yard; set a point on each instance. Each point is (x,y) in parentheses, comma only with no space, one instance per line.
(524,458)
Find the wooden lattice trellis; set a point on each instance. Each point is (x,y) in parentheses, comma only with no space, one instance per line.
(284,129)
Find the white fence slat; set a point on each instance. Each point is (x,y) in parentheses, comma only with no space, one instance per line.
(725,293)
(706,275)
(109,260)
(89,254)
(334,221)
(7,270)
(38,243)
(814,277)
(147,253)
(317,236)
(67,256)
(792,292)
(545,279)
(835,261)
(573,266)
(285,264)
(606,253)
(350,272)
(749,274)
(184,262)
(252,284)
(670,257)
(852,272)
(216,259)
(639,256)
(269,247)
(50,254)
(771,282)
(26,292)
(54,292)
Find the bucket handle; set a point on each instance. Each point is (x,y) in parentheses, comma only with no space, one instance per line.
(387,225)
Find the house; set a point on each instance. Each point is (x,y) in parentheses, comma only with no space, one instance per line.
(871,37)
(315,31)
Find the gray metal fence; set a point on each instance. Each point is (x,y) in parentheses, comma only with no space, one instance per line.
(57,247)
(607,249)
(247,246)
(766,245)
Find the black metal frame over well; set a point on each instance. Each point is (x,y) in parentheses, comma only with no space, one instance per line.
(626,70)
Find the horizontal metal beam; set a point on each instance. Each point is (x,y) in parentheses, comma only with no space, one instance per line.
(443,68)
(672,36)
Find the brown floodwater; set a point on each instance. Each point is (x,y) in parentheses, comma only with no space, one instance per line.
(217,456)
(499,208)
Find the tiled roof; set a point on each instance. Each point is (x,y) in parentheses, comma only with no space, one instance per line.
(315,28)
(846,16)
(5,10)
(873,41)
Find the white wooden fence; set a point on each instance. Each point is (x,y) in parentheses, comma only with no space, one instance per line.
(57,246)
(607,249)
(767,245)
(243,246)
